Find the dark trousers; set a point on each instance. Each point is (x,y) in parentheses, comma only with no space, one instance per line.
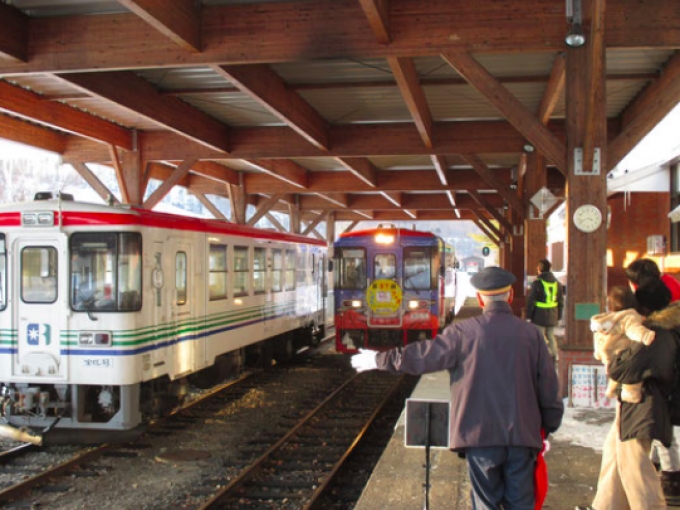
(501,477)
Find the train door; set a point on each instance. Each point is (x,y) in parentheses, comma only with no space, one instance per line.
(40,298)
(188,349)
(384,293)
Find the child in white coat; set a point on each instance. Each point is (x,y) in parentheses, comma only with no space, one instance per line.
(614,331)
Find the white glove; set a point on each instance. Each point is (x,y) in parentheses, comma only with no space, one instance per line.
(363,361)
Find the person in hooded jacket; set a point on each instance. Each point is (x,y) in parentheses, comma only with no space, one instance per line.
(628,478)
(545,304)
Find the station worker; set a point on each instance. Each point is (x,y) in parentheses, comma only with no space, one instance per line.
(503,387)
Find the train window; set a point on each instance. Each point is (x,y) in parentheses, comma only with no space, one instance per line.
(3,273)
(181,277)
(241,270)
(351,272)
(289,283)
(217,262)
(418,272)
(384,265)
(106,271)
(277,271)
(259,270)
(39,274)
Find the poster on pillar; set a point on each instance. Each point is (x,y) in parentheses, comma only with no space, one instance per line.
(587,387)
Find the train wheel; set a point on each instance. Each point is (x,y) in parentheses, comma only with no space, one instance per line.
(283,350)
(259,355)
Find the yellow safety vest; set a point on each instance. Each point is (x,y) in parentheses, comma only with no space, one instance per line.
(550,289)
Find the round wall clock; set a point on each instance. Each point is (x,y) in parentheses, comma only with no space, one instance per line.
(587,218)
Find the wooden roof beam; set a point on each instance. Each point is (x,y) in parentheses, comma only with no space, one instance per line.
(266,87)
(263,208)
(209,206)
(487,232)
(285,170)
(440,166)
(33,107)
(313,224)
(30,134)
(179,21)
(361,168)
(407,78)
(95,183)
(247,33)
(512,109)
(338,199)
(554,89)
(378,14)
(177,175)
(646,111)
(14,34)
(492,180)
(129,90)
(491,209)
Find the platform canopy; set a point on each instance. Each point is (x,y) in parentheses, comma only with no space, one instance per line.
(363,109)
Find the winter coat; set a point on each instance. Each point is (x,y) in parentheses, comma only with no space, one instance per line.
(544,316)
(614,331)
(654,366)
(503,384)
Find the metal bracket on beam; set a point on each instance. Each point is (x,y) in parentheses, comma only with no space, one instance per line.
(578,161)
(518,230)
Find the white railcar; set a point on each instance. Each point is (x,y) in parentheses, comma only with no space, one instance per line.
(105,311)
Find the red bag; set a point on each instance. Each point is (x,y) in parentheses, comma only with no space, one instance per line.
(540,477)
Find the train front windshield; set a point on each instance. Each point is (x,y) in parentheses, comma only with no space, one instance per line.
(419,271)
(352,269)
(106,272)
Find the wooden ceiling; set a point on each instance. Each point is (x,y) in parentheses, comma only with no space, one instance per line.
(366,109)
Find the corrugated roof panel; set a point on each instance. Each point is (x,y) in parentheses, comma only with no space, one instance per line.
(335,71)
(417,162)
(636,61)
(359,104)
(233,108)
(46,8)
(185,78)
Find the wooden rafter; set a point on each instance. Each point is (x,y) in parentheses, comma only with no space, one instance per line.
(418,27)
(440,166)
(486,231)
(553,90)
(266,87)
(286,171)
(489,226)
(646,111)
(492,210)
(31,134)
(407,78)
(362,168)
(263,208)
(98,186)
(314,223)
(210,206)
(378,14)
(31,106)
(14,38)
(130,91)
(517,114)
(180,20)
(120,175)
(492,180)
(180,172)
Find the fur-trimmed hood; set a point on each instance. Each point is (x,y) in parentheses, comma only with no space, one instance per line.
(668,318)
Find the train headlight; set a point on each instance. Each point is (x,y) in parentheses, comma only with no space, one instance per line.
(415,304)
(95,338)
(352,303)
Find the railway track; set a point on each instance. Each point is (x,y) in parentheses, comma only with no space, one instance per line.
(295,471)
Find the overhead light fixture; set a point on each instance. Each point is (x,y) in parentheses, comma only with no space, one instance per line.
(576,36)
(528,148)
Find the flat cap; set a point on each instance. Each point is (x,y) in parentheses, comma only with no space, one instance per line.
(492,280)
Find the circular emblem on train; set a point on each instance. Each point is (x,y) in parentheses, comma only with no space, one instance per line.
(383,297)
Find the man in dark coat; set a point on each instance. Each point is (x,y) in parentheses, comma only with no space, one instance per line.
(504,390)
(545,304)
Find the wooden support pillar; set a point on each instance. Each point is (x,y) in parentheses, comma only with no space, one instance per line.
(534,223)
(237,202)
(517,241)
(294,217)
(587,170)
(132,174)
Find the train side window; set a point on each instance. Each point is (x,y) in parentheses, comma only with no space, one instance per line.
(277,270)
(418,269)
(39,274)
(217,262)
(3,273)
(106,271)
(181,277)
(259,270)
(289,283)
(241,270)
